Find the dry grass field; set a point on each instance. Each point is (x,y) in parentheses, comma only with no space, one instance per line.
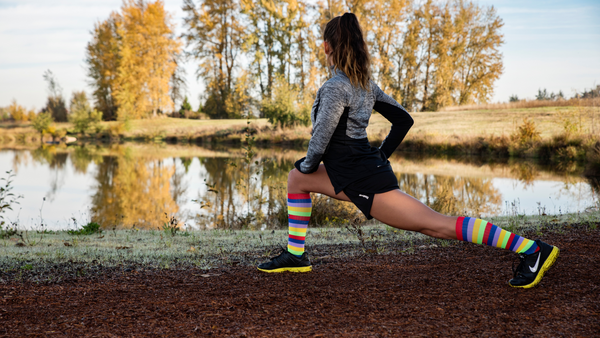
(550,121)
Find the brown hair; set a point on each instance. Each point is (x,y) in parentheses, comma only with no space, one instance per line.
(349,51)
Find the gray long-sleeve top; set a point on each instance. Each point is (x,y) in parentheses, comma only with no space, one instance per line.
(340,115)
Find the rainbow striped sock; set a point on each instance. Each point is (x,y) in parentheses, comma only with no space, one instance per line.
(478,231)
(299,208)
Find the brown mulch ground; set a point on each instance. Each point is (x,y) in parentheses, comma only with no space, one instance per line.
(456,291)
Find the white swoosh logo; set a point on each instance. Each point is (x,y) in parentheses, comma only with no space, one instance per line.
(534,268)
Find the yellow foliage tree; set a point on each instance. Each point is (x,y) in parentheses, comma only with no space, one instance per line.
(102,57)
(131,60)
(147,62)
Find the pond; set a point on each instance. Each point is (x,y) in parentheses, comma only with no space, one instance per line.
(147,185)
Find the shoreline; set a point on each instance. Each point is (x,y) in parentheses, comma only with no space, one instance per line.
(555,134)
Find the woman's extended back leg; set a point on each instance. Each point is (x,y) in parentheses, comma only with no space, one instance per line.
(402,211)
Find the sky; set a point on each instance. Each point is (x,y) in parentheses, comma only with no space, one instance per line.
(548,44)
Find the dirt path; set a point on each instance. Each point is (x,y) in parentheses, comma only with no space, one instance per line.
(443,292)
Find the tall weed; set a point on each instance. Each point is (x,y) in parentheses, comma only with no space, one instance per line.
(7,197)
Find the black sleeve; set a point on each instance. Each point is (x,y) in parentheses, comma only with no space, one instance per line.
(397,115)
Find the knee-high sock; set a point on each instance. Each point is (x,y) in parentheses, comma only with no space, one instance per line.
(478,231)
(299,208)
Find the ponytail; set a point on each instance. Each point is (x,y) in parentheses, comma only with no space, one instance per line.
(349,51)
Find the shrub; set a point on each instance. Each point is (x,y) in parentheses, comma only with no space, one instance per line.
(88,229)
(4,115)
(526,133)
(286,107)
(31,115)
(42,123)
(172,226)
(82,115)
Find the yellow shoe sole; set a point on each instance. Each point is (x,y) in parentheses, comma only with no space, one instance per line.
(300,269)
(547,264)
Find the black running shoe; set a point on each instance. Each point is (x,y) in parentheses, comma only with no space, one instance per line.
(532,267)
(287,262)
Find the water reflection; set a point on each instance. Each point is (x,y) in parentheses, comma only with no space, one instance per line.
(55,161)
(144,185)
(453,195)
(133,192)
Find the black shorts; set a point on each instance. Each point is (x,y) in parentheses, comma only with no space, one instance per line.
(361,192)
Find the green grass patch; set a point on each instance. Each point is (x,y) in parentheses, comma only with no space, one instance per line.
(88,229)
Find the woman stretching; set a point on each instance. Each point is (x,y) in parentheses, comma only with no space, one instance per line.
(354,171)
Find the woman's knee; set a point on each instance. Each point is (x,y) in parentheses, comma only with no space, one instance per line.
(294,179)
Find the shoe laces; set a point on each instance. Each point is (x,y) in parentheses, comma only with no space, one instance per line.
(280,253)
(521,265)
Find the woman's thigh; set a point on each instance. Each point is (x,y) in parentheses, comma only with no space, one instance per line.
(318,182)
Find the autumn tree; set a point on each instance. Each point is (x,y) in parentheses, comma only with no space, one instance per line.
(215,34)
(449,55)
(102,58)
(477,57)
(131,61)
(386,19)
(147,59)
(283,51)
(285,107)
(427,54)
(408,67)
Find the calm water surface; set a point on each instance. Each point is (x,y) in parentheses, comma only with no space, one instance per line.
(145,185)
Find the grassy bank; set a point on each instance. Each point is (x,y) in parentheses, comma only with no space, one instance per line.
(165,129)
(550,133)
(51,256)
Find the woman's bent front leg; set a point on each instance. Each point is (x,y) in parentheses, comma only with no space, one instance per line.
(319,182)
(299,204)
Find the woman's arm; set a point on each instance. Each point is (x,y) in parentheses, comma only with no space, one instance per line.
(330,107)
(397,115)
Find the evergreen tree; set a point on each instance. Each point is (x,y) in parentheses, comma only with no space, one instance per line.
(185,107)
